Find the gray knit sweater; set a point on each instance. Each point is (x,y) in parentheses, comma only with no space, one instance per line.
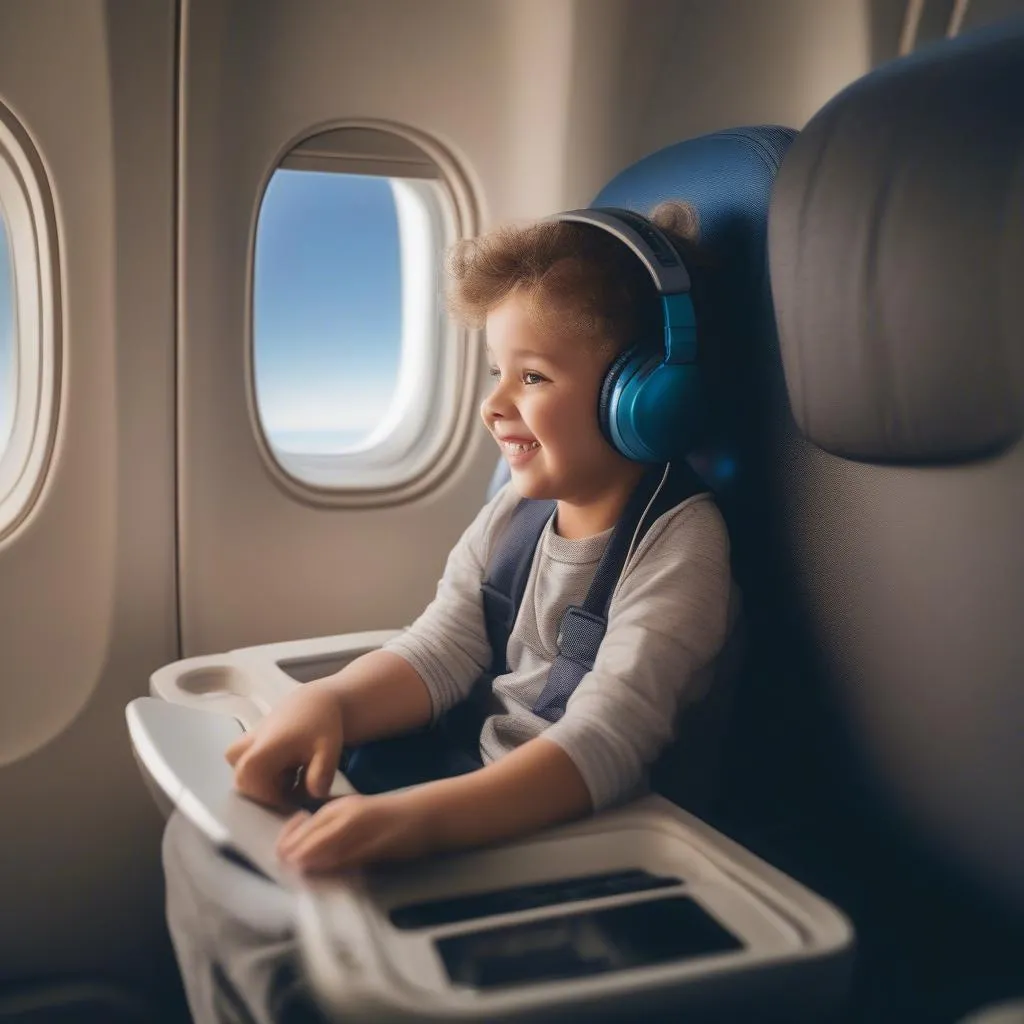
(668,621)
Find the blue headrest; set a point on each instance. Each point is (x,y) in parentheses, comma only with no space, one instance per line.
(727,177)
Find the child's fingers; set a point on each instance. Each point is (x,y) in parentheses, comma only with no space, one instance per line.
(260,779)
(329,857)
(238,748)
(319,832)
(297,834)
(320,774)
(291,825)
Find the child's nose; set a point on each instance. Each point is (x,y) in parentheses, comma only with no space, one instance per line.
(498,404)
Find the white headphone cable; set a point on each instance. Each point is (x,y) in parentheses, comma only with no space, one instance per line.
(643,516)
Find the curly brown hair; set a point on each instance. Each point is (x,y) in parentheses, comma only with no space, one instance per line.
(578,278)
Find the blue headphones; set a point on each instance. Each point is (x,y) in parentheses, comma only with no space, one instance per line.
(651,403)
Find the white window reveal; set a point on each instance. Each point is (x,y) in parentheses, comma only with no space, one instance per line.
(8,387)
(355,367)
(28,353)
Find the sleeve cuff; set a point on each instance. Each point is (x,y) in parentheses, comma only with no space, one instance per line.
(612,772)
(440,686)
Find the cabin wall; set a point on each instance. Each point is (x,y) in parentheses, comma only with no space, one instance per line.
(87,596)
(734,62)
(649,73)
(540,101)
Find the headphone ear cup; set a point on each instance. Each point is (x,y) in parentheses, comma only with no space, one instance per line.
(652,411)
(666,410)
(604,401)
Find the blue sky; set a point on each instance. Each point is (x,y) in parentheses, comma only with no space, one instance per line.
(327,309)
(6,337)
(327,303)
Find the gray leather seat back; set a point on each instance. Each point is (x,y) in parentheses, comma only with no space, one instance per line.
(897,258)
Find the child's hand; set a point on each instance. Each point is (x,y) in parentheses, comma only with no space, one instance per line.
(304,732)
(353,831)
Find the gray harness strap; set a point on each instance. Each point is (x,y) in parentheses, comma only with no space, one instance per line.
(582,627)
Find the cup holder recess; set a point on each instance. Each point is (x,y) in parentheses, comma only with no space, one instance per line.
(214,681)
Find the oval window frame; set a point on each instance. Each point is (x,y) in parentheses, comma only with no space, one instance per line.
(28,211)
(458,359)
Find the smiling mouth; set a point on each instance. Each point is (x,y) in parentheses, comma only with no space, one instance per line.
(516,448)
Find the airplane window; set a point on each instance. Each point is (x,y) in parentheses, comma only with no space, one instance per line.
(28,353)
(354,367)
(7,389)
(327,310)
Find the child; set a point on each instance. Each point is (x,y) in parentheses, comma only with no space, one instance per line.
(559,300)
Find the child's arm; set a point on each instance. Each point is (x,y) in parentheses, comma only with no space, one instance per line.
(430,666)
(666,624)
(535,786)
(447,645)
(405,685)
(532,787)
(380,694)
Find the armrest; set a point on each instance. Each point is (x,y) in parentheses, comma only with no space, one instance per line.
(791,958)
(246,683)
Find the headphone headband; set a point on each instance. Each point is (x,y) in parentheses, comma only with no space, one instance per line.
(657,253)
(646,239)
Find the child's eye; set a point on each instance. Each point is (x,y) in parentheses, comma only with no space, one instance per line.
(529,377)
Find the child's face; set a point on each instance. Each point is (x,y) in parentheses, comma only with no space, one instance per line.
(545,397)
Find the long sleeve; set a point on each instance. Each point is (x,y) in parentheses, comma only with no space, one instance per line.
(447,644)
(667,623)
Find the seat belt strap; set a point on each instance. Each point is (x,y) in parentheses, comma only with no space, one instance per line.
(582,628)
(508,572)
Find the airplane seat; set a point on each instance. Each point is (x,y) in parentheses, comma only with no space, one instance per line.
(896,246)
(727,177)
